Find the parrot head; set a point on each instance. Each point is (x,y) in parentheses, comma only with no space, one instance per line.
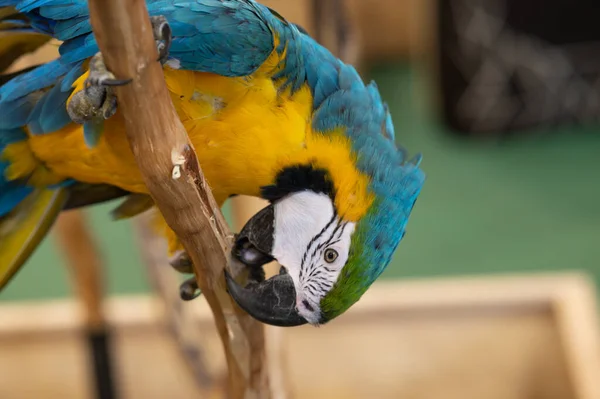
(329,260)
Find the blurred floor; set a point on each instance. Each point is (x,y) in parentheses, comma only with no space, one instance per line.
(496,338)
(526,205)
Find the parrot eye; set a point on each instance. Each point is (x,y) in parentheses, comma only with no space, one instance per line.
(330,255)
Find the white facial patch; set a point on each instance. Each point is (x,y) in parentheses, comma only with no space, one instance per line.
(312,242)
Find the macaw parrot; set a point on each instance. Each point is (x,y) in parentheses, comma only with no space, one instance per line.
(271,114)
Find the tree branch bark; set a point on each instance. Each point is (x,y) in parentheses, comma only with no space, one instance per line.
(160,144)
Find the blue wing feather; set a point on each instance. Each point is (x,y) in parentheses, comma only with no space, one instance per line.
(36,79)
(15,113)
(61,12)
(71,77)
(234,29)
(226,37)
(54,115)
(77,49)
(50,112)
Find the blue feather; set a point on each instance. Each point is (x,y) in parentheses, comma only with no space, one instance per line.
(64,11)
(11,193)
(15,113)
(235,30)
(33,121)
(50,112)
(73,27)
(34,80)
(71,77)
(54,115)
(9,136)
(78,49)
(92,131)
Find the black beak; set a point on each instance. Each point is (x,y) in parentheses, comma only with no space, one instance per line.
(271,301)
(254,244)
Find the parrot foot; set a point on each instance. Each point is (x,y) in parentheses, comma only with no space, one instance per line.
(181,262)
(162,36)
(188,290)
(97,100)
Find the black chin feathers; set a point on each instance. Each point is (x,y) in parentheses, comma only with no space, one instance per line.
(299,178)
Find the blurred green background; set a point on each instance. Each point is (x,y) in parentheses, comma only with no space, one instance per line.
(528,204)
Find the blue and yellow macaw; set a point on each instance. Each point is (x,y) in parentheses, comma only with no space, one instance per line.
(271,114)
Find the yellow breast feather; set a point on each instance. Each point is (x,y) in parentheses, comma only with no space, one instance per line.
(244,130)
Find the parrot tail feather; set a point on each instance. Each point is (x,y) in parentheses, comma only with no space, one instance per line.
(26,212)
(33,211)
(23,229)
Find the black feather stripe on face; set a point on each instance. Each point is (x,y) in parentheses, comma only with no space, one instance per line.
(299,178)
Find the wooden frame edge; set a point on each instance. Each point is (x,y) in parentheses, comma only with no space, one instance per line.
(571,297)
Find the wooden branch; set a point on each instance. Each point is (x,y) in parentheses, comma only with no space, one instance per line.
(85,266)
(160,145)
(243,208)
(165,280)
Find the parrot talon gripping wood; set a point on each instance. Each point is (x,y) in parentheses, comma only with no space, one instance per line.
(182,262)
(162,36)
(189,290)
(97,100)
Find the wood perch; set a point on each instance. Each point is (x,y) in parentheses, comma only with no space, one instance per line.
(159,144)
(179,317)
(85,264)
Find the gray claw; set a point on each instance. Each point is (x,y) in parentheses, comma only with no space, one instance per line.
(96,95)
(93,103)
(114,82)
(97,100)
(163,36)
(100,75)
(182,262)
(188,290)
(109,108)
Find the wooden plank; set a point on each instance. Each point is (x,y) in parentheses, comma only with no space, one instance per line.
(509,336)
(414,295)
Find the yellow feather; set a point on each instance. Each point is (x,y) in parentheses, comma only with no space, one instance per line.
(243,130)
(21,160)
(24,165)
(78,85)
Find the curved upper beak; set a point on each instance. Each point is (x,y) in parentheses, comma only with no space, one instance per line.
(271,301)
